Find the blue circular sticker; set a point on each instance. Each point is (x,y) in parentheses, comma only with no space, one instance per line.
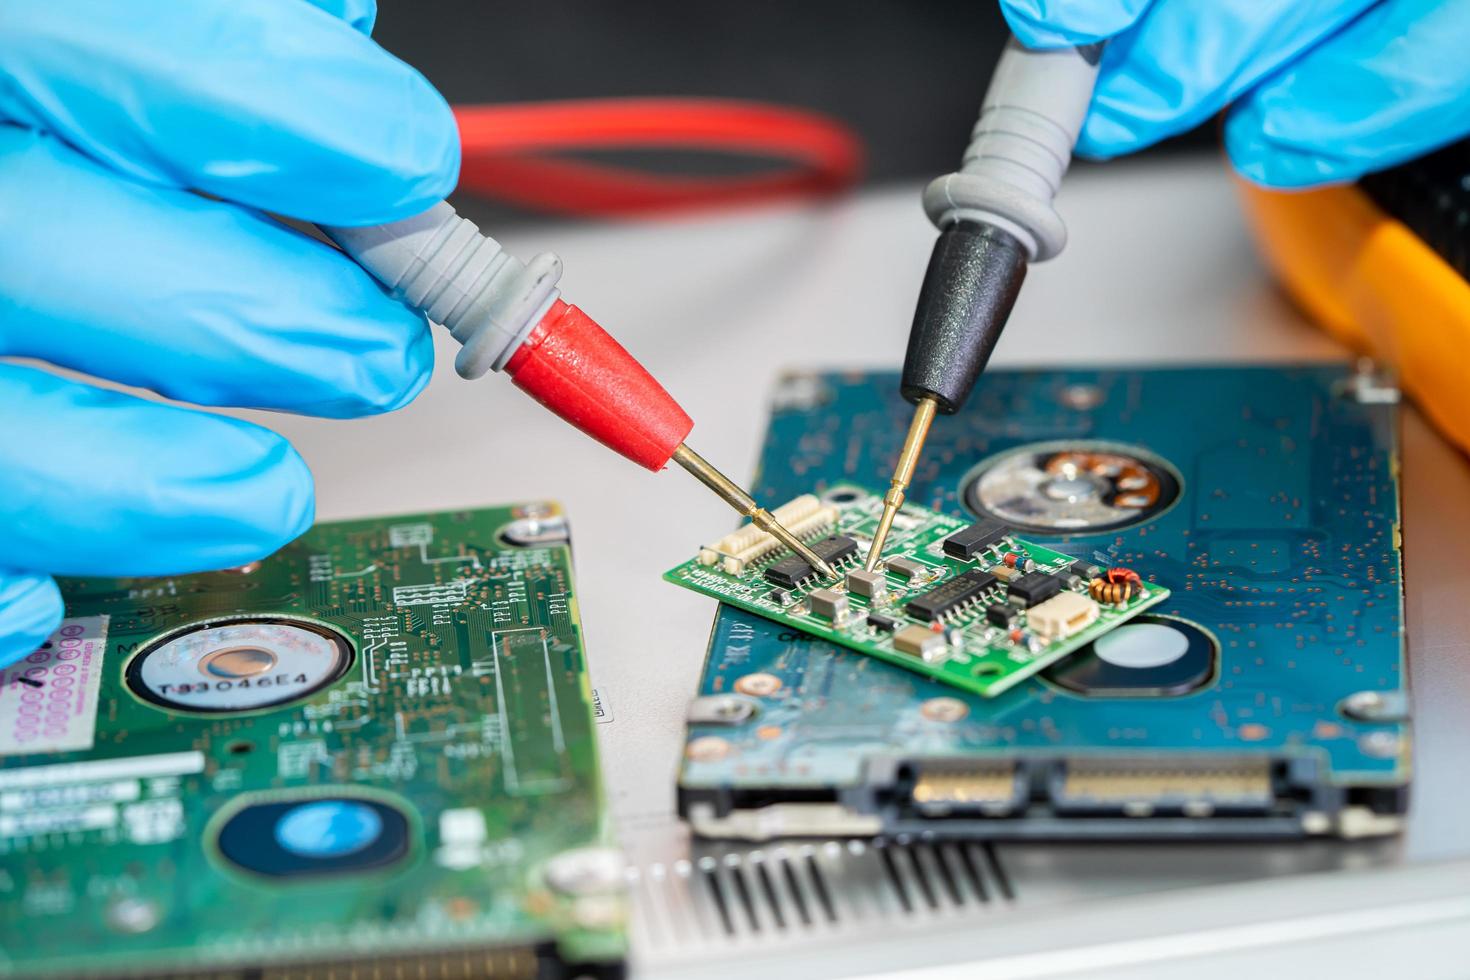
(328,828)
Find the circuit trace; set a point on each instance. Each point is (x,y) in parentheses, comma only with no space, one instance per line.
(971,605)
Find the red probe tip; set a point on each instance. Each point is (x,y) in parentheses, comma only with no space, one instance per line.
(571,365)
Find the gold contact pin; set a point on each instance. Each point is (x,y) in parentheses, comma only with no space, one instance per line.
(746,505)
(903,474)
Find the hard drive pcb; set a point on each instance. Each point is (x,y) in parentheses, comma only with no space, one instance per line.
(369,754)
(1264,697)
(969,604)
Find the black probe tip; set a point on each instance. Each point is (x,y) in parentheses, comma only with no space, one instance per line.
(974,276)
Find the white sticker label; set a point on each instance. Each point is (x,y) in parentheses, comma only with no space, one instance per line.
(48,700)
(601,710)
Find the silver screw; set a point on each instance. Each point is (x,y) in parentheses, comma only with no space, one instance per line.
(1379,745)
(944,709)
(758,685)
(531,531)
(707,748)
(1375,706)
(1082,397)
(719,710)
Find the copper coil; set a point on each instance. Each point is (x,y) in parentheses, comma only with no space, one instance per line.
(1113,593)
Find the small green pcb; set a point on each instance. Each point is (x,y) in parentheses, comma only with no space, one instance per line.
(371,754)
(970,605)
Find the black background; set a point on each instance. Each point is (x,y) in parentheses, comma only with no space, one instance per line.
(908,75)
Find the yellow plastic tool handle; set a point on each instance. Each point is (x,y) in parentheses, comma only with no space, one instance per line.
(1375,285)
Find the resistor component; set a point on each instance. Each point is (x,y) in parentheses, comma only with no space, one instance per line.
(1116,586)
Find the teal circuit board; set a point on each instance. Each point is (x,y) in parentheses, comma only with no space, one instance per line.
(370,754)
(1266,697)
(989,643)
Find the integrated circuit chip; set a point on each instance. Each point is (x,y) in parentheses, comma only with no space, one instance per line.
(788,572)
(958,591)
(1000,615)
(882,623)
(1084,570)
(968,543)
(1033,587)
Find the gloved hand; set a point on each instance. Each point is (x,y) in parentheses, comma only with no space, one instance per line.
(1322,90)
(111,112)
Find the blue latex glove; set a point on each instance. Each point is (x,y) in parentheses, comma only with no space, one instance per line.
(1322,90)
(109,112)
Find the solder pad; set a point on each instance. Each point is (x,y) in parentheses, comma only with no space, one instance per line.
(372,752)
(1280,546)
(975,655)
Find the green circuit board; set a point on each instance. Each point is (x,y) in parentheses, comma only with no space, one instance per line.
(992,639)
(372,752)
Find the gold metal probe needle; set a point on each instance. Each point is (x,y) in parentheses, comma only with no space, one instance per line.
(743,502)
(903,474)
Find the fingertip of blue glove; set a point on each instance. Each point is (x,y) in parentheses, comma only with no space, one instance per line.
(1035,35)
(1067,23)
(281,503)
(1262,159)
(361,14)
(30,611)
(411,164)
(372,357)
(249,493)
(428,169)
(1104,136)
(396,376)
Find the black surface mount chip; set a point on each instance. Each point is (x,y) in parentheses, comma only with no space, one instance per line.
(882,623)
(968,543)
(1002,616)
(950,596)
(789,572)
(1034,587)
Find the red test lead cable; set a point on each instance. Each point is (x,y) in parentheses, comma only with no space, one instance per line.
(510,153)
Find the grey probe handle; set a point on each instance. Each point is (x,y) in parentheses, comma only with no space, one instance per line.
(1021,147)
(443,266)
